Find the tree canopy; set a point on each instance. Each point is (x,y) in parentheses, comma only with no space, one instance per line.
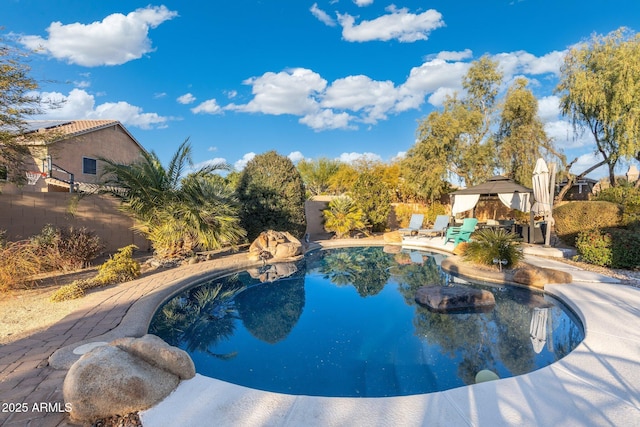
(17,103)
(272,196)
(600,92)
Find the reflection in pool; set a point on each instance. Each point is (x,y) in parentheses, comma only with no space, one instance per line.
(343,322)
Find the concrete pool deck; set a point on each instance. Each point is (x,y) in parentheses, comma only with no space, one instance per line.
(596,384)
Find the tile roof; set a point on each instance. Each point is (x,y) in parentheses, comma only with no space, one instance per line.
(70,127)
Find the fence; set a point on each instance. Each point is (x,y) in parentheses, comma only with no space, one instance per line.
(23,215)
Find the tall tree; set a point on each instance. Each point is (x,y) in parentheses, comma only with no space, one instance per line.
(176,213)
(272,196)
(458,140)
(600,92)
(373,197)
(316,174)
(521,137)
(17,103)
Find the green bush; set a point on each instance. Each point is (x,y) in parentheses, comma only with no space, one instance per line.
(121,267)
(611,247)
(272,196)
(489,245)
(343,217)
(373,197)
(574,217)
(628,196)
(594,247)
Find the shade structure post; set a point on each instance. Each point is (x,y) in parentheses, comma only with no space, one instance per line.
(552,186)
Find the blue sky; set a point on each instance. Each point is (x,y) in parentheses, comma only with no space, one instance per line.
(326,78)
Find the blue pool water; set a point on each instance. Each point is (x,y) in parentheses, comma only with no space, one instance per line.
(343,322)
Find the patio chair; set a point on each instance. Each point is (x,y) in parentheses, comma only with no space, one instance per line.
(414,225)
(439,226)
(462,233)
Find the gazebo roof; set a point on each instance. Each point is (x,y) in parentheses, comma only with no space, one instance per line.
(497,184)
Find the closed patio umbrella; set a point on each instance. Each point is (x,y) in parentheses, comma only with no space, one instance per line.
(542,194)
(540,180)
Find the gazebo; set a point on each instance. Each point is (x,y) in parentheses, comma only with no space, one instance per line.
(510,193)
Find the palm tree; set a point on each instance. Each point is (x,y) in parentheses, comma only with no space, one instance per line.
(343,216)
(177,213)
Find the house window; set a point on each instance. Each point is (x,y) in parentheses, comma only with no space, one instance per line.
(89,166)
(4,173)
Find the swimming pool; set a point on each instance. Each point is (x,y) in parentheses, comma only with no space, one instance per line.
(343,322)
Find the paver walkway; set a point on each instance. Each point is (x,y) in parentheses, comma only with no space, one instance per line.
(26,379)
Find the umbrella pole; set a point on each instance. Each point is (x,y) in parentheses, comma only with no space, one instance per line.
(552,185)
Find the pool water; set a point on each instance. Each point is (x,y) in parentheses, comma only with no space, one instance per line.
(344,322)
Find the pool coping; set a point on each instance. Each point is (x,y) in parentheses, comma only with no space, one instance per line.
(596,384)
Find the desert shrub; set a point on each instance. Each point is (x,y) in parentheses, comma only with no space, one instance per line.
(272,196)
(78,247)
(66,248)
(574,217)
(343,217)
(68,292)
(18,263)
(121,267)
(612,247)
(403,212)
(489,245)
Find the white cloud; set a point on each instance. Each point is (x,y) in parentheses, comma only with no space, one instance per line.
(185,99)
(437,76)
(549,108)
(81,105)
(82,84)
(327,119)
(159,95)
(240,164)
(455,56)
(363,3)
(212,148)
(295,156)
(209,106)
(398,24)
(115,40)
(521,62)
(564,136)
(287,92)
(322,16)
(357,93)
(231,94)
(354,157)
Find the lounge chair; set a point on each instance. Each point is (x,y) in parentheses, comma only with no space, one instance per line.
(462,233)
(414,225)
(439,226)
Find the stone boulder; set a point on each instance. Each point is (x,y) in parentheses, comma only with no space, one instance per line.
(537,277)
(158,353)
(445,299)
(128,375)
(275,246)
(392,237)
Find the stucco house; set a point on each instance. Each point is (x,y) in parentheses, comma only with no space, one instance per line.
(66,157)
